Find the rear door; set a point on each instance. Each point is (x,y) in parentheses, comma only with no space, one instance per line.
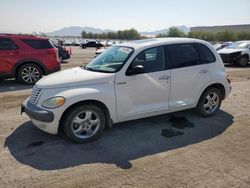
(188,74)
(9,55)
(42,50)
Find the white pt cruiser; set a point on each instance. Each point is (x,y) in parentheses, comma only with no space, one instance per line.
(129,81)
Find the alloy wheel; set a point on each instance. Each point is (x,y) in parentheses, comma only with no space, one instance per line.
(85,124)
(30,74)
(211,102)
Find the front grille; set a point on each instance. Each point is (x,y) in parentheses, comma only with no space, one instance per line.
(36,93)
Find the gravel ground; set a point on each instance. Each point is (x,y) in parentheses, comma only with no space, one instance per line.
(209,152)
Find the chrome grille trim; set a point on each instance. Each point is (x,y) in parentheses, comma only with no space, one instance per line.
(36,93)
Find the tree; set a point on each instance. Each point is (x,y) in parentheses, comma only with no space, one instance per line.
(226,36)
(84,34)
(128,34)
(175,32)
(172,32)
(243,36)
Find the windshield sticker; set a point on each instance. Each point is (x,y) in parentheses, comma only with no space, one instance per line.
(125,50)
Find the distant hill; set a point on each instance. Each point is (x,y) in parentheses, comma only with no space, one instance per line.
(75,31)
(182,28)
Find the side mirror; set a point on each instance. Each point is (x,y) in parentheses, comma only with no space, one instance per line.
(138,69)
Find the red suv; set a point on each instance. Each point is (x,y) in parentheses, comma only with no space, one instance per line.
(27,57)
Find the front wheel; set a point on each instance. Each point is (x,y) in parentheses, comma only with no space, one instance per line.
(84,123)
(209,103)
(243,61)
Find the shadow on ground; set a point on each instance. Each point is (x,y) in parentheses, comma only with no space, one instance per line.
(12,85)
(124,142)
(229,65)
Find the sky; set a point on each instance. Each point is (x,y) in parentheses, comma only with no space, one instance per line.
(144,15)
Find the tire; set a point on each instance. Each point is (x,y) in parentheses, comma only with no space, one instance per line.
(29,73)
(243,61)
(208,108)
(84,123)
(60,58)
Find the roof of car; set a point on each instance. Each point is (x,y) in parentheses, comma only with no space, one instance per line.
(26,36)
(157,41)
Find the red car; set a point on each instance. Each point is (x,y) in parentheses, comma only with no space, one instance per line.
(27,57)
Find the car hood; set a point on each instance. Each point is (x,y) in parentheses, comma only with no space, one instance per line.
(229,51)
(74,77)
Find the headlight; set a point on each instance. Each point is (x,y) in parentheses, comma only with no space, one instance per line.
(54,102)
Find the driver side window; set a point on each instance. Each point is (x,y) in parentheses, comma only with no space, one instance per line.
(152,60)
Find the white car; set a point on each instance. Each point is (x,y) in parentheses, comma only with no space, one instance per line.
(99,51)
(236,53)
(129,81)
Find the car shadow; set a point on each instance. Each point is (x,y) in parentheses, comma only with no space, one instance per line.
(119,145)
(230,65)
(12,85)
(64,62)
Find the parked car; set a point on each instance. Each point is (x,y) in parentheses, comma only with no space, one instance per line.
(128,82)
(99,51)
(63,53)
(27,57)
(222,45)
(236,53)
(76,42)
(91,44)
(68,43)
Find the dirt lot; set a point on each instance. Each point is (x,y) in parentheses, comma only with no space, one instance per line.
(211,152)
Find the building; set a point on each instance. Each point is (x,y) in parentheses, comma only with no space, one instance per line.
(215,29)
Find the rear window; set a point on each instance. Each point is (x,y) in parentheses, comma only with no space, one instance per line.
(7,44)
(38,44)
(183,55)
(206,56)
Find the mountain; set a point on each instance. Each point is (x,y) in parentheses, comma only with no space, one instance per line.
(75,31)
(182,28)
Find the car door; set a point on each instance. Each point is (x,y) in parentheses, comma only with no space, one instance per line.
(9,54)
(147,93)
(188,75)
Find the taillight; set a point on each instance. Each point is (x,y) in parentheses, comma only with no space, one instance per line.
(53,52)
(228,79)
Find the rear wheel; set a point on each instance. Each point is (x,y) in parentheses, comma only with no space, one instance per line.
(84,123)
(243,61)
(60,58)
(29,73)
(209,103)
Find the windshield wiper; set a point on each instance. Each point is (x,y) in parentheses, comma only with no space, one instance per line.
(96,70)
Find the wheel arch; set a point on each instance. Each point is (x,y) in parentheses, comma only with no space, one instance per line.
(218,86)
(101,105)
(26,61)
(246,55)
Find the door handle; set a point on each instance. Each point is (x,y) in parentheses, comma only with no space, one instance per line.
(164,78)
(203,71)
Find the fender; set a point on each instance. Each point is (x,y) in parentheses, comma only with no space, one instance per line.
(104,94)
(245,54)
(23,61)
(206,86)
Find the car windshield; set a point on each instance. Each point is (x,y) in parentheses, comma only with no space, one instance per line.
(241,45)
(111,60)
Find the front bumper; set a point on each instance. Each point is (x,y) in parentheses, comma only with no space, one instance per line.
(230,58)
(36,113)
(41,118)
